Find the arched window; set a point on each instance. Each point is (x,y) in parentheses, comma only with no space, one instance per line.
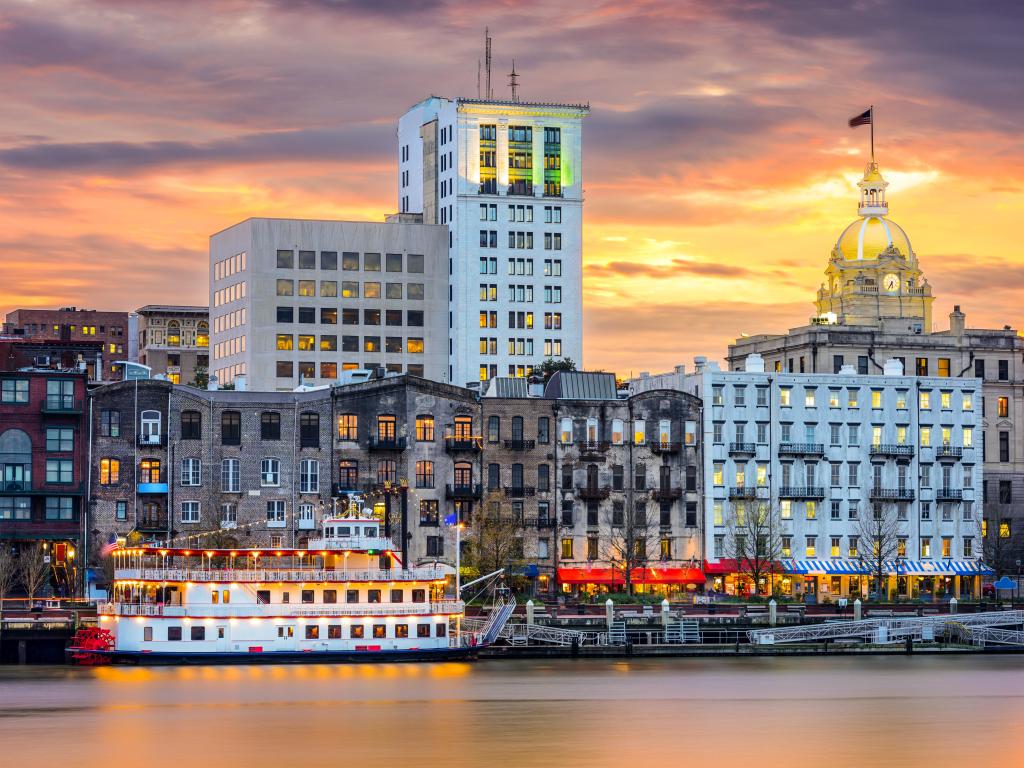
(565,431)
(617,432)
(203,335)
(425,428)
(463,474)
(173,334)
(493,429)
(386,427)
(592,431)
(517,428)
(150,431)
(191,425)
(424,474)
(463,427)
(16,459)
(270,472)
(387,471)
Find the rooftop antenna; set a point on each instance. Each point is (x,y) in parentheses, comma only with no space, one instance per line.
(513,81)
(478,78)
(488,93)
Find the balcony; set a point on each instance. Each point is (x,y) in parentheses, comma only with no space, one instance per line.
(896,450)
(519,491)
(461,444)
(392,443)
(801,449)
(544,523)
(892,494)
(743,448)
(152,440)
(949,452)
(151,488)
(593,450)
(949,494)
(743,492)
(58,404)
(667,493)
(592,492)
(151,523)
(464,491)
(520,445)
(15,486)
(801,492)
(666,446)
(346,488)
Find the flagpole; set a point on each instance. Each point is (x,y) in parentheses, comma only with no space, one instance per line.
(871,109)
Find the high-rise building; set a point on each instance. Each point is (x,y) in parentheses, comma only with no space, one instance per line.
(174,341)
(295,300)
(506,178)
(875,305)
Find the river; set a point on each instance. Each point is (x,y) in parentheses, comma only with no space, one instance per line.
(964,711)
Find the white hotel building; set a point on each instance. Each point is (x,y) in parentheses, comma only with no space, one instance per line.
(506,178)
(821,450)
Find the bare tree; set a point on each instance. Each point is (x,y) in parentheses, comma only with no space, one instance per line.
(494,537)
(879,530)
(631,540)
(755,541)
(8,573)
(1001,545)
(33,571)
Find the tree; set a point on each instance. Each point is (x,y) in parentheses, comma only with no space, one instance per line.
(879,531)
(755,541)
(201,377)
(1000,543)
(632,540)
(547,368)
(494,537)
(33,571)
(8,573)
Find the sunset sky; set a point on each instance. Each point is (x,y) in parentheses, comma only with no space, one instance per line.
(718,166)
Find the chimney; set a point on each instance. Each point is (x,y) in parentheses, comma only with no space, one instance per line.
(699,362)
(957,322)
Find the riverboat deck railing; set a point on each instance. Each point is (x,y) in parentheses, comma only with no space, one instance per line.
(280,610)
(266,575)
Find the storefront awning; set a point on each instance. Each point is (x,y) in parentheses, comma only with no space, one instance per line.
(837,566)
(727,566)
(615,576)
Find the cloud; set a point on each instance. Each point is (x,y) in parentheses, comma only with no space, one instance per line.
(675,268)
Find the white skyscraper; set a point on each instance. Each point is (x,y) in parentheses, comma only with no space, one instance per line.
(506,178)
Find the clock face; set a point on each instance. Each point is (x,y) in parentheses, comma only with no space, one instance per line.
(891,282)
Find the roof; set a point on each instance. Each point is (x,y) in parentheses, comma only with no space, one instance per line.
(581,385)
(505,386)
(153,309)
(524,104)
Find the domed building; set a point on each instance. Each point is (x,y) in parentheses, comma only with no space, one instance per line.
(873,277)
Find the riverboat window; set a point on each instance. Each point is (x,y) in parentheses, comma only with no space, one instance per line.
(419,595)
(270,425)
(214,597)
(397,595)
(422,630)
(307,595)
(286,631)
(198,633)
(442,630)
(330,595)
(174,633)
(263,597)
(312,631)
(147,634)
(334,631)
(356,631)
(373,595)
(380,630)
(401,630)
(270,472)
(351,595)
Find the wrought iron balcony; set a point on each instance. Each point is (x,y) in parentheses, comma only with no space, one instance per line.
(592,492)
(153,441)
(801,492)
(949,494)
(519,491)
(892,449)
(593,449)
(151,523)
(394,443)
(666,446)
(750,448)
(461,443)
(952,452)
(892,494)
(667,493)
(801,449)
(472,491)
(743,492)
(520,445)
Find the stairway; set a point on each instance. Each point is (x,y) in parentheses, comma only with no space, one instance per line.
(617,633)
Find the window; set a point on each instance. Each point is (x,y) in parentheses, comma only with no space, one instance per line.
(387,471)
(59,471)
(1004,446)
(110,423)
(16,391)
(348,426)
(191,425)
(231,428)
(425,428)
(60,394)
(230,475)
(348,474)
(309,430)
(567,553)
(922,366)
(493,429)
(1004,370)
(1003,407)
(270,472)
(276,513)
(190,511)
(309,476)
(429,514)
(60,439)
(424,474)
(191,472)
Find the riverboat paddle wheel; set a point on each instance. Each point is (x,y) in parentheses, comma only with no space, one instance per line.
(87,644)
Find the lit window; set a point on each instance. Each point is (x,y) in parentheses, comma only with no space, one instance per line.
(784,396)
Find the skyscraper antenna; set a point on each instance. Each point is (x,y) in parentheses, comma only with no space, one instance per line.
(488,93)
(478,78)
(513,81)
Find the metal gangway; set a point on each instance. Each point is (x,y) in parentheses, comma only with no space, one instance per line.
(497,620)
(881,630)
(526,634)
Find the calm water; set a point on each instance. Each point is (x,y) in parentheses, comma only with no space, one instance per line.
(951,711)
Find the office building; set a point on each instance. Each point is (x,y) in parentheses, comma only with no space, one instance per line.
(506,178)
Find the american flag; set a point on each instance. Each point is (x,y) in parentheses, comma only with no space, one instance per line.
(864,118)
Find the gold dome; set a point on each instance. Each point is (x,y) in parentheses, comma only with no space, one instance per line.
(869,236)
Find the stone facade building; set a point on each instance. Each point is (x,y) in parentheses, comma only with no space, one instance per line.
(174,341)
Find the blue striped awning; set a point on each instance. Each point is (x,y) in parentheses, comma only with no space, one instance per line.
(838,566)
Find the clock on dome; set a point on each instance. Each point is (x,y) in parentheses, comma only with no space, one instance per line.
(891,282)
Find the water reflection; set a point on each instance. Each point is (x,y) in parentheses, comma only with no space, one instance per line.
(884,711)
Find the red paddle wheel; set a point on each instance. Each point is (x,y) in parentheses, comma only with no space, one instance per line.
(85,644)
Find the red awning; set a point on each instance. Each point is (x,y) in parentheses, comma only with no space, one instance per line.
(637,576)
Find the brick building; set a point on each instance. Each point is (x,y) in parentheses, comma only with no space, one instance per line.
(70,324)
(43,449)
